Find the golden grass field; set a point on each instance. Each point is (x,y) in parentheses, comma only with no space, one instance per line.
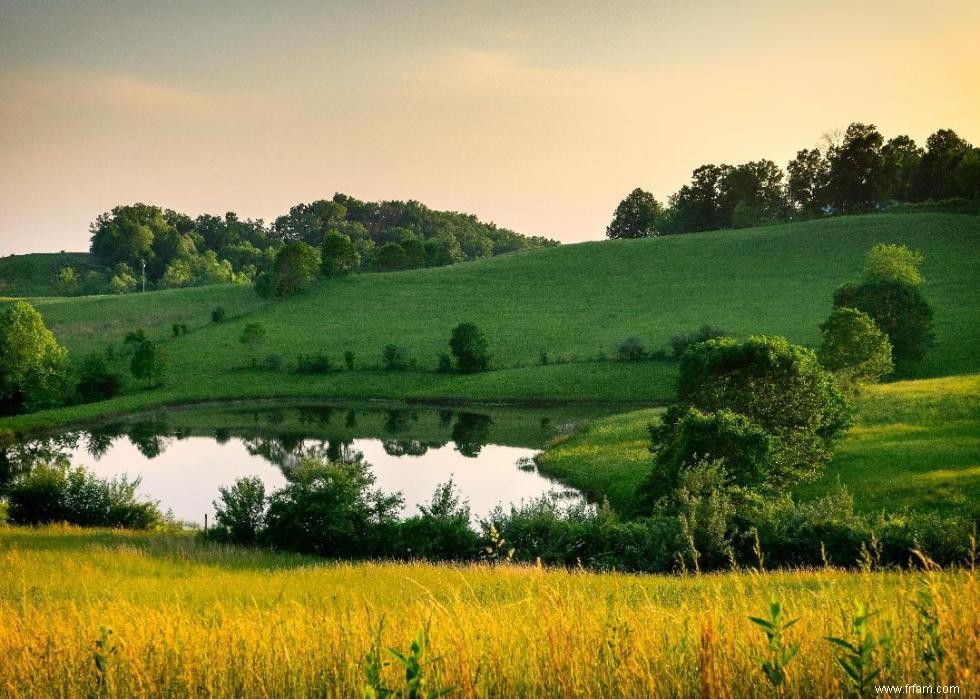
(99,613)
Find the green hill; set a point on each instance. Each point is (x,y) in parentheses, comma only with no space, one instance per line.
(37,274)
(574,302)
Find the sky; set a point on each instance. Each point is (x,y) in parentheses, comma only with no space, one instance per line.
(539,116)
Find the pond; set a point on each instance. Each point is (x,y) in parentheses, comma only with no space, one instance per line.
(183,455)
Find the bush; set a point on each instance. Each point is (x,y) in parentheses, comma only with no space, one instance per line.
(95,381)
(631,349)
(331,509)
(313,363)
(581,535)
(854,348)
(240,511)
(218,314)
(445,365)
(74,495)
(180,329)
(469,346)
(442,529)
(349,360)
(743,449)
(4,513)
(680,343)
(395,358)
(893,263)
(273,362)
(779,387)
(705,511)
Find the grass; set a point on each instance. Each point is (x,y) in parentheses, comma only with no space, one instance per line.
(112,614)
(914,445)
(37,274)
(574,302)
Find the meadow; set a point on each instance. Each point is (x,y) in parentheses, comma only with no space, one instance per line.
(914,445)
(114,614)
(573,303)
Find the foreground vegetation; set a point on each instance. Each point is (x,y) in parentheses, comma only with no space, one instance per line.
(99,613)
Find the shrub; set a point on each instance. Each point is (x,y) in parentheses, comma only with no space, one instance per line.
(743,449)
(442,529)
(273,362)
(218,314)
(180,329)
(4,513)
(240,510)
(680,343)
(349,360)
(445,365)
(95,381)
(395,357)
(854,348)
(332,509)
(77,496)
(779,387)
(313,363)
(705,511)
(631,349)
(469,346)
(576,535)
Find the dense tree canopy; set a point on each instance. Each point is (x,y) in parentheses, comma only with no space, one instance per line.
(858,172)
(854,348)
(178,250)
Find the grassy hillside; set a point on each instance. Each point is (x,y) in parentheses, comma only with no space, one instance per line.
(575,303)
(113,614)
(915,445)
(37,274)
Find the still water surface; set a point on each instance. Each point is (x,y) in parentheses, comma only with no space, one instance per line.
(183,456)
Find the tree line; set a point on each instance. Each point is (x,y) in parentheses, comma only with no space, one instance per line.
(170,249)
(851,173)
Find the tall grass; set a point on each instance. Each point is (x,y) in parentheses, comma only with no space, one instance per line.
(96,613)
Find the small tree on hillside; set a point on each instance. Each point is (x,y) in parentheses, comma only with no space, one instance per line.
(854,348)
(635,217)
(148,362)
(890,294)
(469,346)
(253,335)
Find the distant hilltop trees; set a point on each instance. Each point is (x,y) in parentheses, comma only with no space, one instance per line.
(176,250)
(851,173)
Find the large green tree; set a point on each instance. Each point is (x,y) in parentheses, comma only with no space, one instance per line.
(636,216)
(856,170)
(806,183)
(32,363)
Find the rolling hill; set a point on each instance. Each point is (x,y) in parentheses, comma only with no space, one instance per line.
(575,303)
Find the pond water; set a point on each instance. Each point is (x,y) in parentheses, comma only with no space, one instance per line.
(183,456)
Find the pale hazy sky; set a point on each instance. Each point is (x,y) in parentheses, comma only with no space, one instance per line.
(537,115)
